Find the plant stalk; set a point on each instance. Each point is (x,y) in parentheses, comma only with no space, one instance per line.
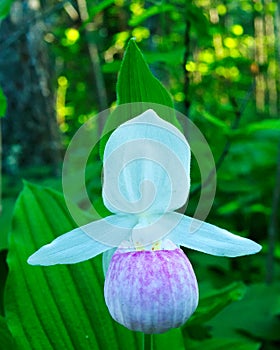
(147,342)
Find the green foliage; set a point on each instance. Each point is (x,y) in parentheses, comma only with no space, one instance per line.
(211,305)
(3,104)
(136,83)
(262,302)
(44,304)
(205,54)
(5,221)
(6,339)
(61,306)
(137,91)
(5,7)
(222,344)
(151,11)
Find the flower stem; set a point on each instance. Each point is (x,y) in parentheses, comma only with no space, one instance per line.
(147,342)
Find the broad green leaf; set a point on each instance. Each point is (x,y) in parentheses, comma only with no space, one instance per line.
(136,83)
(257,315)
(222,344)
(211,305)
(173,57)
(6,339)
(151,11)
(137,91)
(57,307)
(3,100)
(5,6)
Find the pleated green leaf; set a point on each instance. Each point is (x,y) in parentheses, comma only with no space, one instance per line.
(57,307)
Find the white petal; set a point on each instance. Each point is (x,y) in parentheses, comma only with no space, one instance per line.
(70,248)
(210,239)
(85,242)
(112,230)
(146,166)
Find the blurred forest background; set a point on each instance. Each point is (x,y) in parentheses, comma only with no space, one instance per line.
(219,59)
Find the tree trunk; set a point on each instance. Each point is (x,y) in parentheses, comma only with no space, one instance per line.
(30,131)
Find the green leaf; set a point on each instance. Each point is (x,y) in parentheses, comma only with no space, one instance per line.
(137,91)
(136,82)
(222,344)
(57,307)
(6,339)
(5,6)
(3,100)
(151,11)
(215,121)
(169,340)
(263,125)
(5,221)
(257,315)
(94,10)
(174,57)
(211,305)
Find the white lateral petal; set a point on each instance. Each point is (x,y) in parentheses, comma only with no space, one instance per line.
(146,166)
(112,230)
(70,248)
(210,239)
(85,242)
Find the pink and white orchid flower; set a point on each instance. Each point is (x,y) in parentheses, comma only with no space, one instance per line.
(150,285)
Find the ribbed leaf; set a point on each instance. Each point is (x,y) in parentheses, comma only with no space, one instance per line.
(58,307)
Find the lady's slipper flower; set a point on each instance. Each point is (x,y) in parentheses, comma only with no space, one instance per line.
(150,285)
